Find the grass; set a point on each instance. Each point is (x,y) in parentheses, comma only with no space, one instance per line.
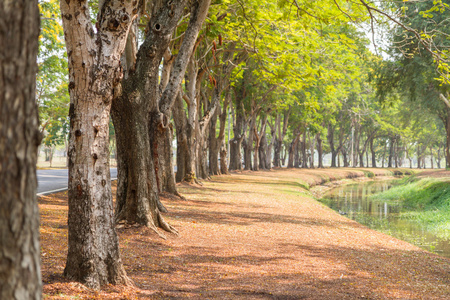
(426,201)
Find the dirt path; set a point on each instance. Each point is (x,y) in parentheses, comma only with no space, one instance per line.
(256,235)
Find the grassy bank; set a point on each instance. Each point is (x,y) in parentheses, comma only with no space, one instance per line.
(425,201)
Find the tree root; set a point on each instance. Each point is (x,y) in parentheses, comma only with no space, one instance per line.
(161,207)
(180,196)
(172,195)
(166,226)
(162,224)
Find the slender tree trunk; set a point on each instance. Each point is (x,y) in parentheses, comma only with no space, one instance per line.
(214,147)
(20,273)
(319,150)
(418,157)
(304,156)
(283,156)
(312,144)
(292,148)
(223,160)
(248,147)
(222,122)
(180,121)
(263,151)
(203,131)
(277,143)
(345,158)
(239,126)
(438,160)
(391,151)
(374,162)
(447,145)
(270,147)
(330,137)
(431,157)
(297,157)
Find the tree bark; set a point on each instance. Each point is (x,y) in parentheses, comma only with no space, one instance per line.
(214,147)
(248,147)
(20,274)
(152,104)
(374,162)
(312,146)
(263,150)
(319,150)
(303,149)
(180,121)
(292,148)
(391,151)
(330,138)
(278,143)
(447,145)
(94,71)
(239,125)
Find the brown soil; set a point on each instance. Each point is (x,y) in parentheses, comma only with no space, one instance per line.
(434,173)
(253,235)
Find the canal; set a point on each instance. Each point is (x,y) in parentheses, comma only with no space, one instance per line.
(354,202)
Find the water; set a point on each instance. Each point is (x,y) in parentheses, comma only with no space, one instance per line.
(353,201)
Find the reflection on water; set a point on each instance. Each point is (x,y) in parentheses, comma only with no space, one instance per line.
(352,200)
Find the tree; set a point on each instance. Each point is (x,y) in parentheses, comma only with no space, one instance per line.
(142,110)
(413,72)
(52,82)
(20,276)
(94,71)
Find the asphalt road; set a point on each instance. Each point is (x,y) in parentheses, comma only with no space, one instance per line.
(52,181)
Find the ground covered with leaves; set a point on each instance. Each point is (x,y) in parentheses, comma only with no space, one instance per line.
(253,235)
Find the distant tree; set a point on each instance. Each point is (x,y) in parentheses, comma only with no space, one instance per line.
(20,276)
(51,83)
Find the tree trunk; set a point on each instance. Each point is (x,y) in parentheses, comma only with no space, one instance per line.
(235,154)
(203,129)
(312,144)
(214,147)
(263,151)
(330,137)
(345,158)
(374,162)
(248,145)
(283,155)
(269,159)
(223,160)
(391,151)
(297,157)
(257,137)
(319,150)
(431,157)
(165,153)
(20,273)
(303,149)
(447,145)
(438,160)
(221,137)
(180,120)
(418,157)
(239,127)
(94,71)
(292,149)
(144,132)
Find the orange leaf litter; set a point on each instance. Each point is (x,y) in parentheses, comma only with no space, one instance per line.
(253,235)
